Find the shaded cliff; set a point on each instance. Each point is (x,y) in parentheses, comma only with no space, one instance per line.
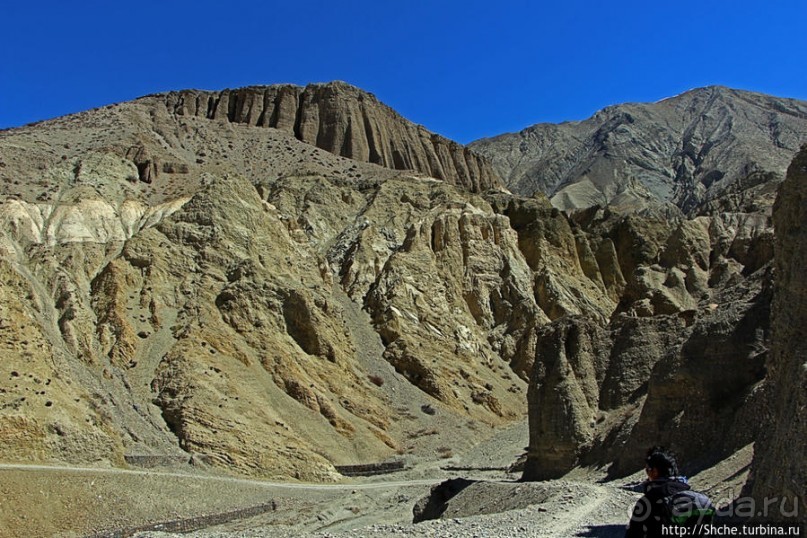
(680,362)
(345,121)
(780,458)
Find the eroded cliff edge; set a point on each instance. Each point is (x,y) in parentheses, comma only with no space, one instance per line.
(705,378)
(345,121)
(780,458)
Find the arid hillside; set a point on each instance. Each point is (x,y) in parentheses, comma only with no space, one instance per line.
(179,284)
(225,278)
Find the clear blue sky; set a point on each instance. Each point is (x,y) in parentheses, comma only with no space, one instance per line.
(465,69)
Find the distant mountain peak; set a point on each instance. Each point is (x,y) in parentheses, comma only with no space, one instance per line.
(688,149)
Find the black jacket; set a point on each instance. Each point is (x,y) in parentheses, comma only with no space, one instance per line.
(649,511)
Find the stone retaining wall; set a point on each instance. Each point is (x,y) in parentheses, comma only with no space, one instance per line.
(191,524)
(370,469)
(138,460)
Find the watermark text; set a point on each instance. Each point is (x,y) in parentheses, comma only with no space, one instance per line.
(737,530)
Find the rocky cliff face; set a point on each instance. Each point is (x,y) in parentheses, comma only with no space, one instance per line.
(706,149)
(680,362)
(182,275)
(178,286)
(780,471)
(345,121)
(697,355)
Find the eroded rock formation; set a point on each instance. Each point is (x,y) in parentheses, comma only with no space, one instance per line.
(175,285)
(346,121)
(209,274)
(681,361)
(780,456)
(696,357)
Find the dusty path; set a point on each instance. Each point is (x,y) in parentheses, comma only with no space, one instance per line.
(71,501)
(581,510)
(251,482)
(79,501)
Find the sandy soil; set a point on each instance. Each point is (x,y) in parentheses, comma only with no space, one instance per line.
(76,502)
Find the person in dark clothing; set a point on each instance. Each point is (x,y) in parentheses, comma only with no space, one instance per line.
(650,512)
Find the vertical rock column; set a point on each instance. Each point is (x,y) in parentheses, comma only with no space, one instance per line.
(780,460)
(345,121)
(563,396)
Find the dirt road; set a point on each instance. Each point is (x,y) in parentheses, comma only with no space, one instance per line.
(73,502)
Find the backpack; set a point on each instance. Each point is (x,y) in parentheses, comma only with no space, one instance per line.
(688,508)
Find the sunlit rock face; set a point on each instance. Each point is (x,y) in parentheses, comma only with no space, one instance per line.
(183,284)
(346,121)
(280,280)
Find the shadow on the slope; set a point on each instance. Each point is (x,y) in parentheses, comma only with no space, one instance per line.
(603,531)
(437,501)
